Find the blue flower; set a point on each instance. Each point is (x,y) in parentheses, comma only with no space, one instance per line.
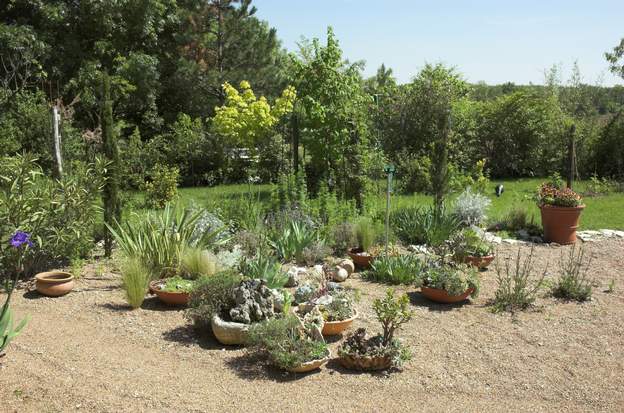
(20,238)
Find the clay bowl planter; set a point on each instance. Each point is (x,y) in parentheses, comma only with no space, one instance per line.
(168,297)
(333,328)
(560,223)
(365,363)
(479,262)
(441,296)
(54,283)
(228,332)
(360,258)
(310,365)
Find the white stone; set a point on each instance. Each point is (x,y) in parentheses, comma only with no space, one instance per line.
(347,265)
(294,275)
(339,274)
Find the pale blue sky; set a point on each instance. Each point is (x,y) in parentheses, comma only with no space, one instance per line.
(494,41)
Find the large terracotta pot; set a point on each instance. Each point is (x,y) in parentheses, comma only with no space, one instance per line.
(310,365)
(560,223)
(333,328)
(54,283)
(365,363)
(360,258)
(168,297)
(441,296)
(479,262)
(228,332)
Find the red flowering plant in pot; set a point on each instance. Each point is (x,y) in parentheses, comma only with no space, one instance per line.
(561,212)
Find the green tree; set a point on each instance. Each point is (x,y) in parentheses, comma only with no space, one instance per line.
(112,207)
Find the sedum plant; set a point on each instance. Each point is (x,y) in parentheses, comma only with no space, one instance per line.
(453,278)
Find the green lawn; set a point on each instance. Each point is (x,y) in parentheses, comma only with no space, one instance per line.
(602,212)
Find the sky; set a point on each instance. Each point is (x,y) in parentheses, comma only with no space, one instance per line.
(486,40)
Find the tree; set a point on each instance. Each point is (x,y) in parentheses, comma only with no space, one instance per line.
(112,207)
(614,58)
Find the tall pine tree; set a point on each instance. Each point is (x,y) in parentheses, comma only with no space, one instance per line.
(112,209)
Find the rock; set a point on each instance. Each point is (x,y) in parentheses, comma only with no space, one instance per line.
(254,302)
(419,249)
(278,300)
(608,233)
(334,286)
(348,265)
(510,241)
(294,276)
(522,234)
(619,234)
(338,274)
(536,239)
(304,293)
(325,300)
(583,236)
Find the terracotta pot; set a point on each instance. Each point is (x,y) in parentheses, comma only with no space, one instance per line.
(360,258)
(229,332)
(310,365)
(441,296)
(365,363)
(479,262)
(54,283)
(333,328)
(168,297)
(560,223)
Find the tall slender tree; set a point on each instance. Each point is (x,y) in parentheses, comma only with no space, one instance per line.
(112,209)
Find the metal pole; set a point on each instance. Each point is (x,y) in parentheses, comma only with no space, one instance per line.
(56,118)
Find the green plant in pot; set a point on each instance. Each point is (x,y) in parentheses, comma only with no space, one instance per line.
(338,312)
(382,351)
(366,232)
(471,248)
(289,344)
(561,212)
(449,282)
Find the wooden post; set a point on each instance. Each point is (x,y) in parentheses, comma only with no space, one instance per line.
(56,120)
(571,157)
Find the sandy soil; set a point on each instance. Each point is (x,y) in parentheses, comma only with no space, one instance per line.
(88,352)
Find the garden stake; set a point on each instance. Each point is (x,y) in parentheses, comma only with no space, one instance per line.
(389,169)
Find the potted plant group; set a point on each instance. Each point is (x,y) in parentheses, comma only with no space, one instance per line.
(382,351)
(470,248)
(561,212)
(449,282)
(290,343)
(172,291)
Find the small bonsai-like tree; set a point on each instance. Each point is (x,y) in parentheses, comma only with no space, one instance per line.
(392,313)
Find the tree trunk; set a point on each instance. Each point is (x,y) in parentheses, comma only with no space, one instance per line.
(571,156)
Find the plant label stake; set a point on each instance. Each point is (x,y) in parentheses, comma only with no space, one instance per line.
(389,169)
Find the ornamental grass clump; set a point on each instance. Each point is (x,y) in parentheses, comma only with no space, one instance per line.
(573,282)
(135,279)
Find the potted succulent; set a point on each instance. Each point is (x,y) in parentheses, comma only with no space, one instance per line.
(172,291)
(382,351)
(230,305)
(338,313)
(449,282)
(290,343)
(561,212)
(470,248)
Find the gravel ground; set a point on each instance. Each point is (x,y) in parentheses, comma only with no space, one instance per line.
(87,352)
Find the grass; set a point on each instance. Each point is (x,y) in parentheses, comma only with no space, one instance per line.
(601,212)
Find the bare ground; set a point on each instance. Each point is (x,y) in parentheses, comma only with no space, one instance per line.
(88,352)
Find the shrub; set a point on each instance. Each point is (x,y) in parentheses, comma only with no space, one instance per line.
(196,262)
(573,283)
(286,345)
(267,268)
(211,296)
(162,186)
(424,225)
(343,237)
(402,269)
(135,276)
(316,253)
(597,186)
(414,174)
(471,207)
(515,290)
(455,279)
(60,214)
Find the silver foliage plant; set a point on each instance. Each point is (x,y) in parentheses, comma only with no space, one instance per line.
(471,207)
